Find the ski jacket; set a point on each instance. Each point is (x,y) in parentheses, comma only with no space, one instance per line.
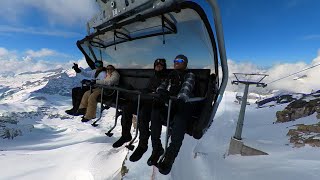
(155,81)
(110,80)
(180,84)
(92,74)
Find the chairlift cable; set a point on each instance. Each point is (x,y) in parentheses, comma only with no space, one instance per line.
(294,73)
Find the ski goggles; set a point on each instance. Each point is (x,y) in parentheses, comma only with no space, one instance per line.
(179,61)
(98,64)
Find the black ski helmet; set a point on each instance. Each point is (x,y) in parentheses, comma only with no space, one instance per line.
(161,61)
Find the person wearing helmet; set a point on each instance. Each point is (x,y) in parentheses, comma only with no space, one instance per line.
(160,68)
(144,114)
(180,83)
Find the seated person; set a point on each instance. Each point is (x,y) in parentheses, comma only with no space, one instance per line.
(160,75)
(88,105)
(77,92)
(144,115)
(180,83)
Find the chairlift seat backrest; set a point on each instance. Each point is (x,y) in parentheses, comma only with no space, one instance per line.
(138,79)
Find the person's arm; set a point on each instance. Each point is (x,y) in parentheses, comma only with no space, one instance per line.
(113,80)
(187,87)
(87,73)
(163,86)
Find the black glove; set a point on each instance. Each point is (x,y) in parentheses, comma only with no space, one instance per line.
(93,82)
(164,95)
(76,68)
(86,82)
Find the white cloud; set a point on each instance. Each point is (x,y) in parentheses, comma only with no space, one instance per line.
(3,51)
(305,85)
(6,54)
(44,52)
(57,11)
(12,62)
(26,65)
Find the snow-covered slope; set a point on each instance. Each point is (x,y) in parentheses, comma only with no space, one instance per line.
(48,144)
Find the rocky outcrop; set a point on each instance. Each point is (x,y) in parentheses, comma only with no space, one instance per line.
(305,134)
(298,109)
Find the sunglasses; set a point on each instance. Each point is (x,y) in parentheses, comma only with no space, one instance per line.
(179,61)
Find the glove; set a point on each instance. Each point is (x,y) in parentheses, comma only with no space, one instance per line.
(86,82)
(76,68)
(164,95)
(93,82)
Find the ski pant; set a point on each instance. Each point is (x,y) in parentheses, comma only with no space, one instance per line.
(89,101)
(126,119)
(77,94)
(143,125)
(181,117)
(144,119)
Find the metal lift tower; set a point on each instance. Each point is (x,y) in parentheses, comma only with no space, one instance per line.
(236,146)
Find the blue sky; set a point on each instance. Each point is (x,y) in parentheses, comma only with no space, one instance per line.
(264,32)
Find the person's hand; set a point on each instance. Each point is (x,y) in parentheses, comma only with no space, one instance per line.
(93,82)
(86,82)
(76,68)
(164,95)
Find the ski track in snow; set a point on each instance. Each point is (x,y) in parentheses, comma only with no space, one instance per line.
(61,147)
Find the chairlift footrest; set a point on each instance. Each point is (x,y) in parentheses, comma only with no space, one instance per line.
(94,124)
(109,134)
(105,107)
(130,147)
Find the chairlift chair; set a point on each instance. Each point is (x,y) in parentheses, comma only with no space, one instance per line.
(122,22)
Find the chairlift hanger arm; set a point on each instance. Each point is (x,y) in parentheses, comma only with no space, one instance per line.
(92,52)
(88,59)
(172,27)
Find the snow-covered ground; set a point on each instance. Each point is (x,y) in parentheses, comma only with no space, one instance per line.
(53,145)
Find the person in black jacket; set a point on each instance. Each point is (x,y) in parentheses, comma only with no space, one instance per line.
(180,83)
(144,114)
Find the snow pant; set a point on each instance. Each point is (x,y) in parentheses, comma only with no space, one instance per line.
(143,125)
(181,117)
(77,94)
(89,101)
(126,119)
